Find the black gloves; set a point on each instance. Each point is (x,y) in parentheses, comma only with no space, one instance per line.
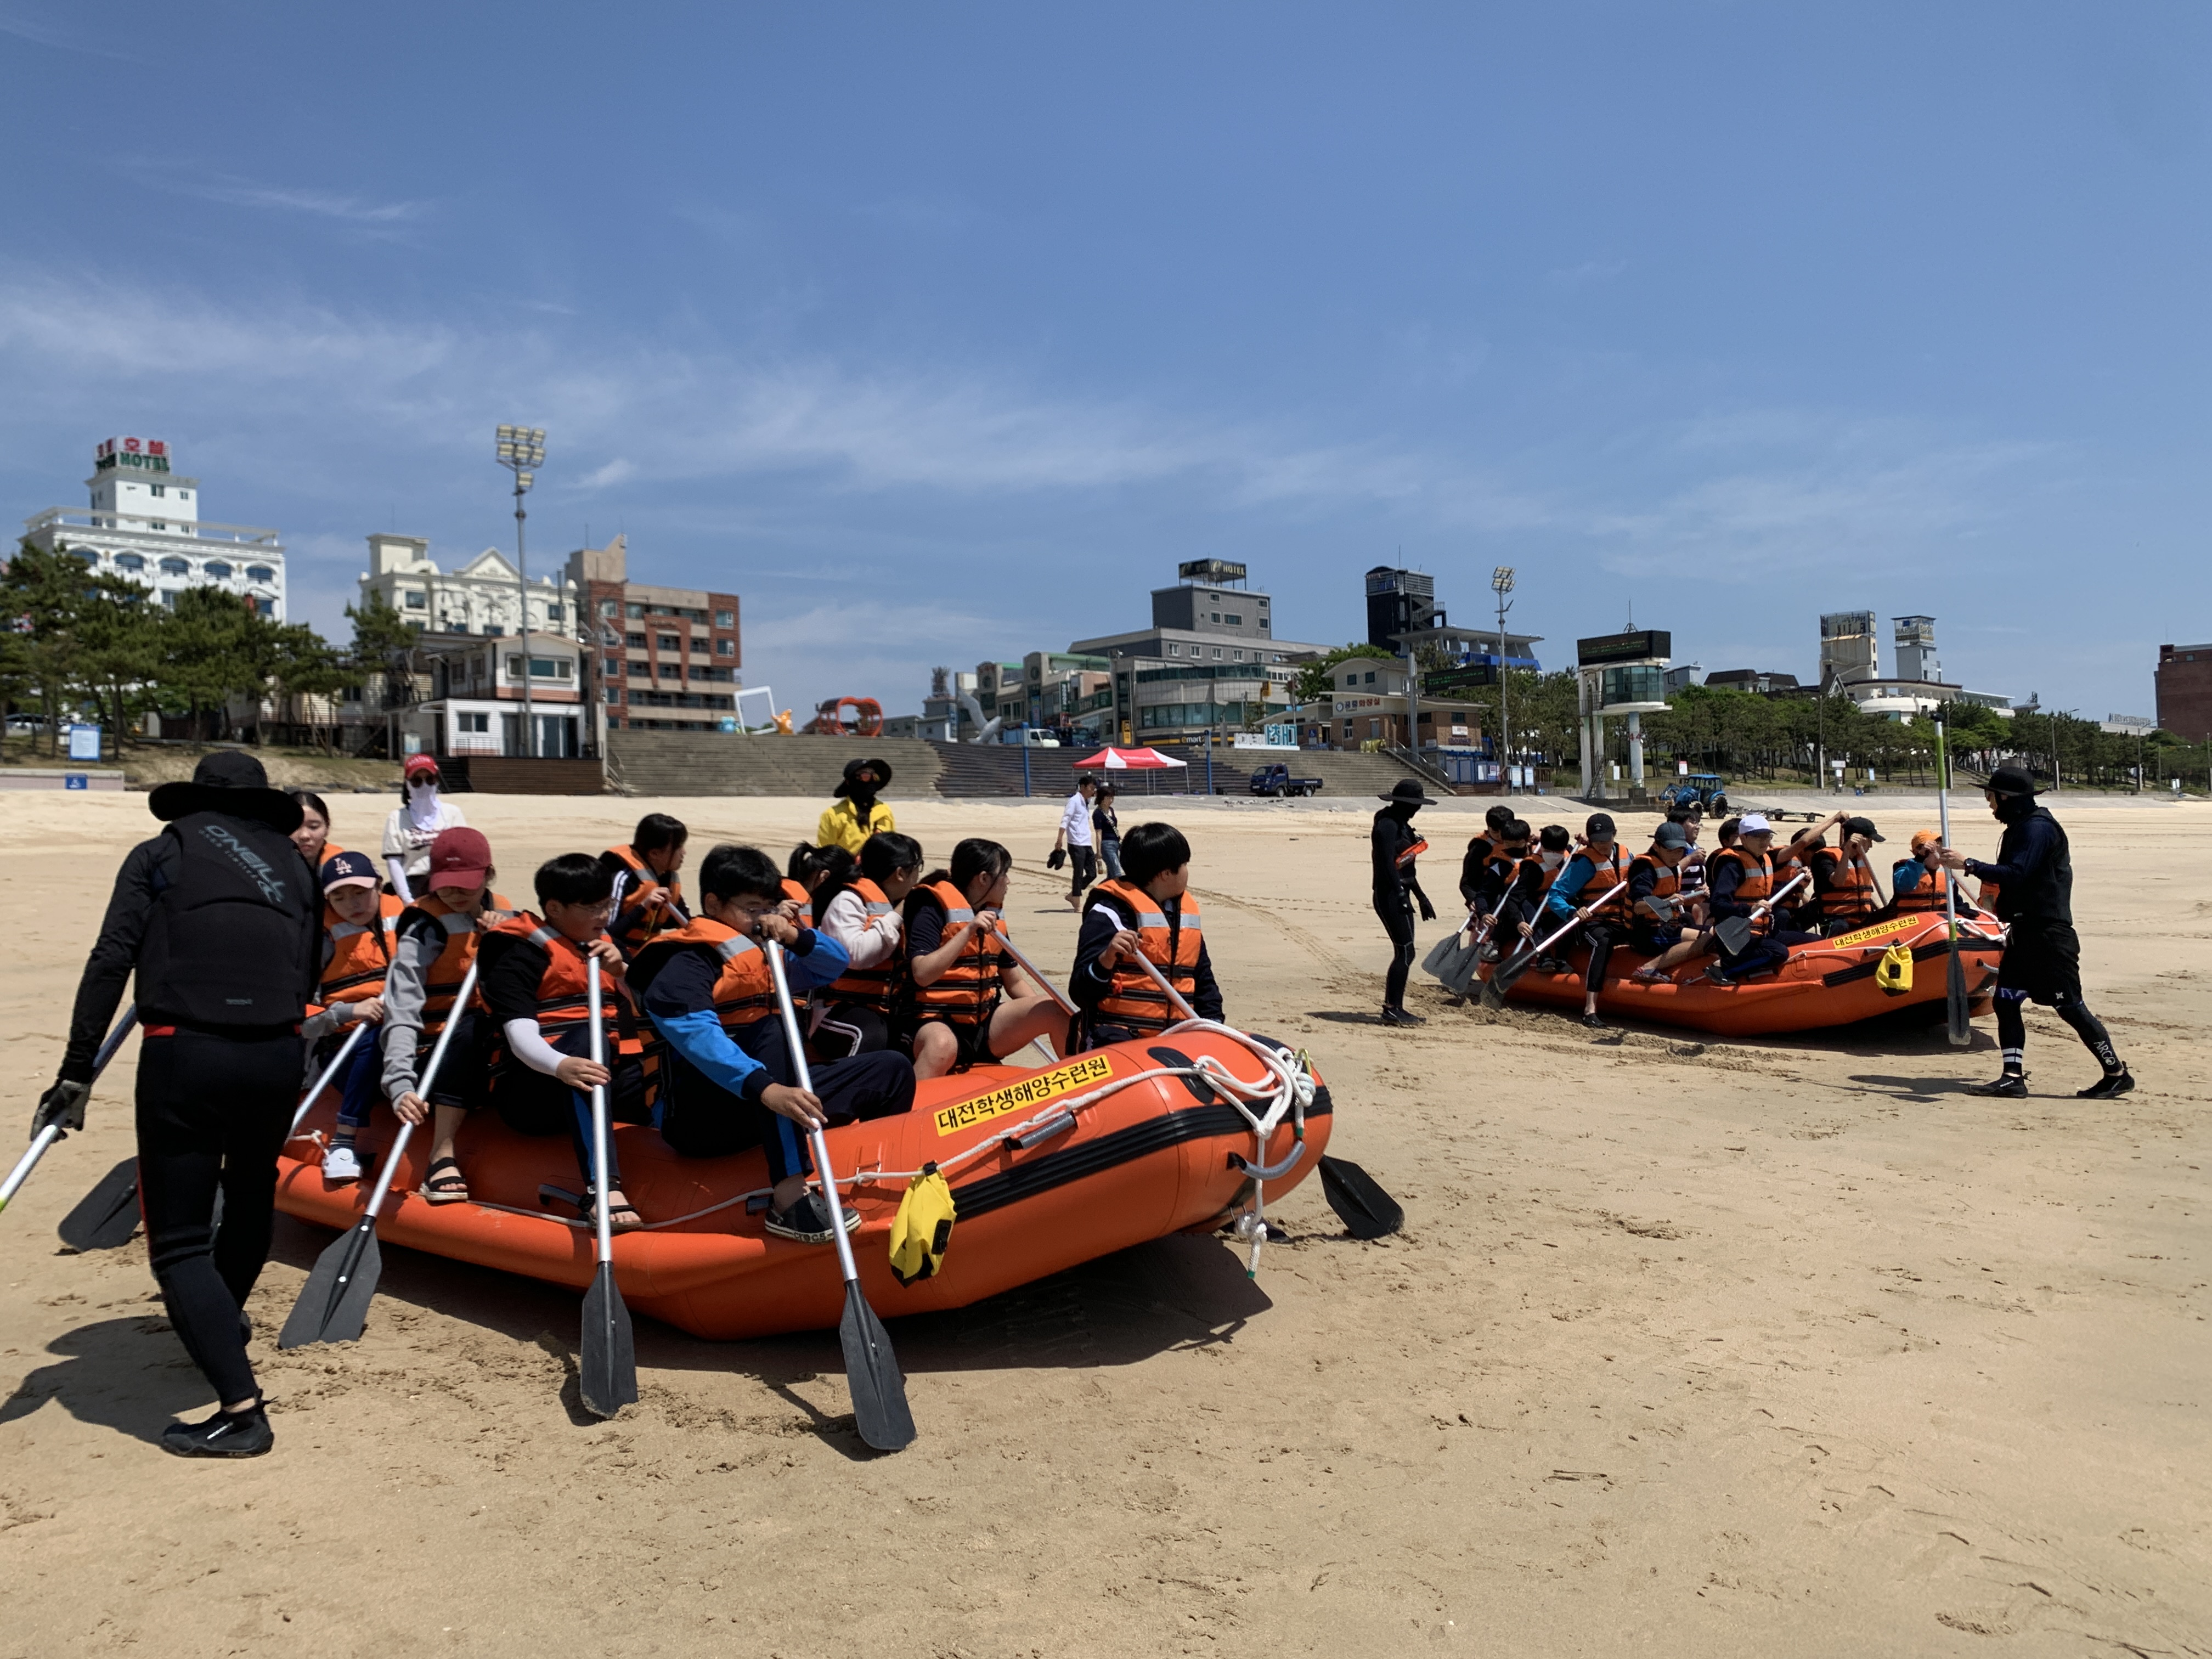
(1059,857)
(63,1104)
(1428,910)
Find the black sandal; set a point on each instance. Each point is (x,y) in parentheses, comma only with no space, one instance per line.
(445,1190)
(588,1204)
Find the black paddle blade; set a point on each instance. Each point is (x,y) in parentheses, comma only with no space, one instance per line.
(1366,1210)
(333,1304)
(871,1373)
(1734,934)
(106,1216)
(1961,1031)
(1503,977)
(607,1376)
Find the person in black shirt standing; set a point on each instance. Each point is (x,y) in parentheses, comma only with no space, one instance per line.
(220,919)
(1394,847)
(2042,960)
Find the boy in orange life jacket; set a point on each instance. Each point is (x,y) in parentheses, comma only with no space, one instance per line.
(534,978)
(968,1004)
(1148,913)
(725,1072)
(359,925)
(437,938)
(1843,880)
(649,892)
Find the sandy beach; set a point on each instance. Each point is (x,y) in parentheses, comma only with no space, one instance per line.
(1688,1348)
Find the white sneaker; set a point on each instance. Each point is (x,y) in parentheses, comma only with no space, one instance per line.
(340,1162)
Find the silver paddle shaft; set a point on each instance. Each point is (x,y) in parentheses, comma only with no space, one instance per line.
(1032,970)
(422,1089)
(53,1131)
(1539,949)
(592,1001)
(830,1201)
(360,1028)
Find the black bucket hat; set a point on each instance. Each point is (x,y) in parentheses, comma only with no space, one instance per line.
(231,782)
(2012,780)
(1407,793)
(881,768)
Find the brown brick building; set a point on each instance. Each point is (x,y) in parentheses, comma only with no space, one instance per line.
(661,658)
(2185,691)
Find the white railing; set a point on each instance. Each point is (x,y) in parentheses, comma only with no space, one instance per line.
(135,523)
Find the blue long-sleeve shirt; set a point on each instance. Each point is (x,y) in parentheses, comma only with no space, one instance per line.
(1567,889)
(680,1003)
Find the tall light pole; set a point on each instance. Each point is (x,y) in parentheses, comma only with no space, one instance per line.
(1501,583)
(522,450)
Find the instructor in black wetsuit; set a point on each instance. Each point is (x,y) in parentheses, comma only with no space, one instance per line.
(220,919)
(2042,960)
(1395,846)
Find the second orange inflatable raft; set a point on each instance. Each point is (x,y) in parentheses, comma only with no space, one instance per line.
(1830,981)
(1049,1169)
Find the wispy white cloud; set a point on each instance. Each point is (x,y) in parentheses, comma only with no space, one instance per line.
(13,22)
(354,211)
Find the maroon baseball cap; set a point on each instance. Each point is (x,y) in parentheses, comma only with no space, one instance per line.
(459,858)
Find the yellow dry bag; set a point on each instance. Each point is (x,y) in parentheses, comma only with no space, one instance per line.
(1894,972)
(923,1226)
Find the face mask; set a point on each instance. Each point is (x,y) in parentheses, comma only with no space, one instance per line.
(1553,861)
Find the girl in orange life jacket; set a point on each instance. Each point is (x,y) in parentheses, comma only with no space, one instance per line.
(725,1074)
(359,927)
(312,837)
(648,893)
(1148,913)
(1584,890)
(808,869)
(968,1005)
(853,1014)
(438,939)
(533,976)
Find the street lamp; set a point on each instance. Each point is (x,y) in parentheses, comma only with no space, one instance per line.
(522,450)
(1501,583)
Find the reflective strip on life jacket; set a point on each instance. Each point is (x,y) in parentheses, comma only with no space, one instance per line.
(1604,878)
(357,956)
(1665,879)
(968,992)
(442,981)
(744,990)
(1849,893)
(1132,999)
(1758,880)
(633,923)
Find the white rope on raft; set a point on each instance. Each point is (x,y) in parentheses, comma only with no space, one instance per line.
(1288,1089)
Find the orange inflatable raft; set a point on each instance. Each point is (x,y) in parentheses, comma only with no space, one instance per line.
(1830,981)
(1049,1169)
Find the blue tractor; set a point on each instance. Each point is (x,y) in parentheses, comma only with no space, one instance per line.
(1707,789)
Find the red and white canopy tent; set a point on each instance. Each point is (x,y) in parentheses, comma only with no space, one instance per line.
(1148,760)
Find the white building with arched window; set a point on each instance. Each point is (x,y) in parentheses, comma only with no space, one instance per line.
(144,524)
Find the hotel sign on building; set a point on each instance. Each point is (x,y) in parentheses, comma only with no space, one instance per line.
(143,523)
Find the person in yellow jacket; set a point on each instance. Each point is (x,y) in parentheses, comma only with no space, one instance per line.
(856,813)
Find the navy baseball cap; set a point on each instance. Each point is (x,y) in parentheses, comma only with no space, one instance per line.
(349,870)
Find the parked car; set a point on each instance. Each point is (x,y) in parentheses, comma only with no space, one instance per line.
(1275,780)
(1706,788)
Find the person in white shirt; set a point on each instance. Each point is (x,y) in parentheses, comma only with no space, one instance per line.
(1075,836)
(410,830)
(853,1014)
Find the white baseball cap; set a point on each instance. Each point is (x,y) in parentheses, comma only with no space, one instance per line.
(1752,824)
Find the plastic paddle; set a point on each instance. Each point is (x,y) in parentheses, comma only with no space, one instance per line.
(1959,1025)
(872,1371)
(333,1304)
(606,1374)
(54,1132)
(1734,931)
(1366,1210)
(1495,987)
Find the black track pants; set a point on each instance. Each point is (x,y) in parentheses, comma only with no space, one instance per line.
(213,1112)
(2012,1028)
(1397,918)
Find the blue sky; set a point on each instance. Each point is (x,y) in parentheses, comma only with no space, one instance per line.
(944,332)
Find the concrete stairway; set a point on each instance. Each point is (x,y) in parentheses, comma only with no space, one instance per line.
(655,763)
(1351,773)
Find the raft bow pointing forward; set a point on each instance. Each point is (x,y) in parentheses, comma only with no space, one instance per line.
(1049,1169)
(1829,982)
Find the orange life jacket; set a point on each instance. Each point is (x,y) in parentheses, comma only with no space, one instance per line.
(635,923)
(967,992)
(441,982)
(745,991)
(1849,893)
(876,986)
(563,990)
(1604,878)
(1666,881)
(1132,999)
(1757,879)
(1928,894)
(356,955)
(797,892)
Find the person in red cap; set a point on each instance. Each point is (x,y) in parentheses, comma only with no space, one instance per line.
(415,824)
(437,941)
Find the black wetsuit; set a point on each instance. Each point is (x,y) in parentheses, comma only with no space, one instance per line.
(2042,960)
(1393,845)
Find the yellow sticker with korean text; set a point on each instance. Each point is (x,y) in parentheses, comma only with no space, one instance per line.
(1880,930)
(1032,1091)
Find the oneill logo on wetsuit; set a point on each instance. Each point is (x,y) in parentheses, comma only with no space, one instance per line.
(271,886)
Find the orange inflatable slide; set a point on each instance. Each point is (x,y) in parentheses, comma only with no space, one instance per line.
(1830,981)
(1049,1168)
